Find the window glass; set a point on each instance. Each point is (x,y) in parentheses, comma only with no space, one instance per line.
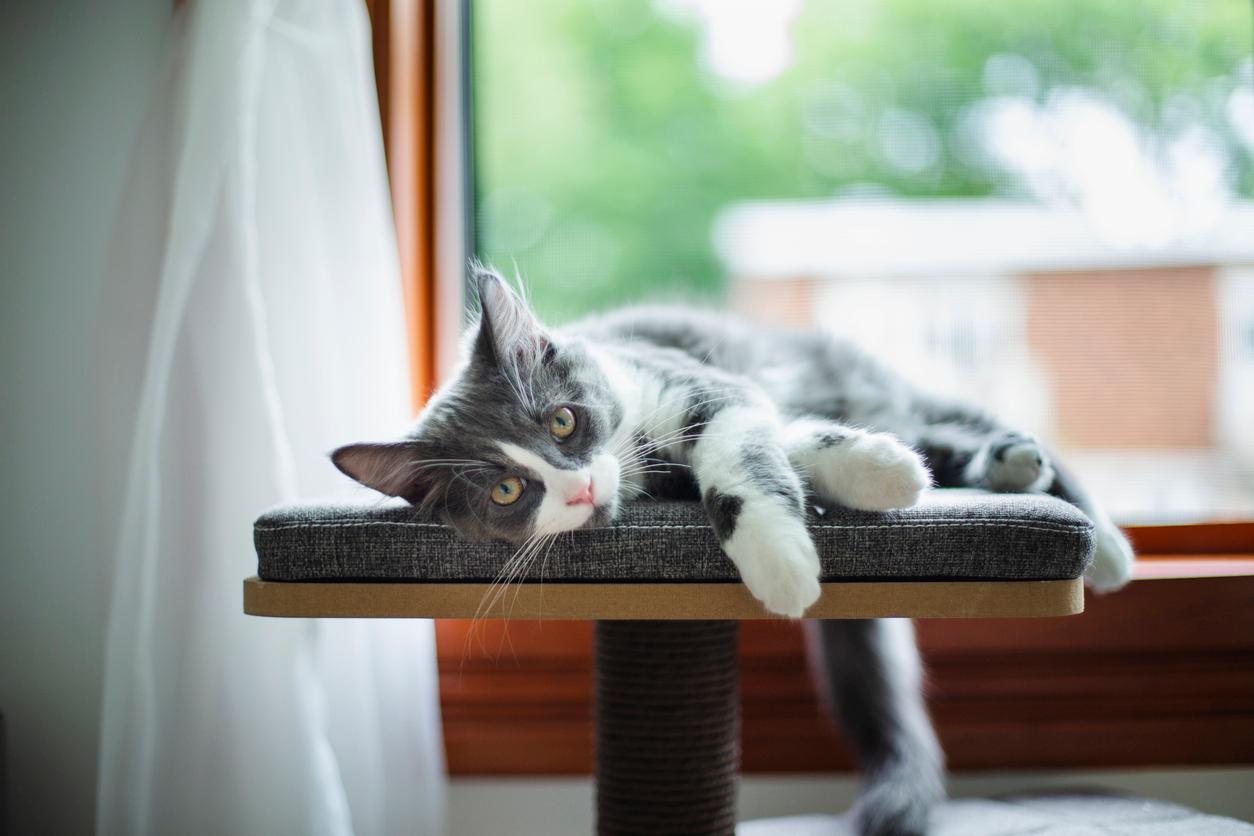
(1044,206)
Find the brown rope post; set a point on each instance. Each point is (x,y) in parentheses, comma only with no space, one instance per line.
(667,727)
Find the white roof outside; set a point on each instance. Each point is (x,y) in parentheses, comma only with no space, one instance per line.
(860,237)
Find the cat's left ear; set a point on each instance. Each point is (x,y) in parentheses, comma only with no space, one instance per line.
(509,333)
(392,468)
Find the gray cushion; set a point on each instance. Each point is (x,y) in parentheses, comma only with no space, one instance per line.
(952,535)
(1056,813)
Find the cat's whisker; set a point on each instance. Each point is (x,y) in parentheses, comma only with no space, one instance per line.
(543,565)
(414,467)
(502,578)
(702,431)
(676,407)
(638,491)
(526,568)
(488,601)
(518,575)
(659,471)
(512,568)
(678,434)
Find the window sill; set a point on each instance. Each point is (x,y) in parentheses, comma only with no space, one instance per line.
(1157,674)
(1163,567)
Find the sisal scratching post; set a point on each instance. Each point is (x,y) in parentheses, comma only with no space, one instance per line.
(667,727)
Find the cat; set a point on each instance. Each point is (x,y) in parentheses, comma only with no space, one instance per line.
(541,431)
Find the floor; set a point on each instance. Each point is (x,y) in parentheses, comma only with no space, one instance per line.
(564,806)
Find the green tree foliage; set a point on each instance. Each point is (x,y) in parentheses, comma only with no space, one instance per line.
(604,149)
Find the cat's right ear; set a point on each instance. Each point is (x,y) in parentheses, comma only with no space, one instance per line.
(509,335)
(390,468)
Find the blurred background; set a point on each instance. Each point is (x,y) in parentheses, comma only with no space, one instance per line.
(1042,206)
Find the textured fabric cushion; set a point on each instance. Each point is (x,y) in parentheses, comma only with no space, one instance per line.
(1057,813)
(952,535)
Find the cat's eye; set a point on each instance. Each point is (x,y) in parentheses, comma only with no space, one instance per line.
(507,491)
(562,423)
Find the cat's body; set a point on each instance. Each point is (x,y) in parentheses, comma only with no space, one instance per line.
(829,393)
(543,431)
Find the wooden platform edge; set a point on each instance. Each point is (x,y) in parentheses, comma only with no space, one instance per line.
(589,601)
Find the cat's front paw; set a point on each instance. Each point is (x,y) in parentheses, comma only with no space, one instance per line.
(872,472)
(1112,561)
(777,561)
(1013,463)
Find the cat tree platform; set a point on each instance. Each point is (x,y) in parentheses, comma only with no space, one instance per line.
(667,602)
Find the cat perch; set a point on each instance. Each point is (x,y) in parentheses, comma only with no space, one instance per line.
(667,602)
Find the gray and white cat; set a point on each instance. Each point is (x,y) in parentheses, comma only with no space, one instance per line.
(542,431)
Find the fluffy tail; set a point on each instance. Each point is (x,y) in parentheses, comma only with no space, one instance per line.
(1113,559)
(871,675)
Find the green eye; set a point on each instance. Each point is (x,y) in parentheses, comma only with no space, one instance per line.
(507,491)
(562,423)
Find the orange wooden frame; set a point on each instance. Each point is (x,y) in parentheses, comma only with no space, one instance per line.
(1157,674)
(403,39)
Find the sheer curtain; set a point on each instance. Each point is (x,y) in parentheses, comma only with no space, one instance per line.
(253,322)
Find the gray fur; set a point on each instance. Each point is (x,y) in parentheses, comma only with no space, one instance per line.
(830,438)
(768,469)
(723,509)
(516,372)
(504,393)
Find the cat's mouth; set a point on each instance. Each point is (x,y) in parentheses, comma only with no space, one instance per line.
(602,515)
(603,506)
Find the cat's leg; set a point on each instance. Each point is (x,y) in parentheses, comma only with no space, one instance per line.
(855,468)
(757,507)
(998,459)
(1113,557)
(985,455)
(871,671)
(1010,462)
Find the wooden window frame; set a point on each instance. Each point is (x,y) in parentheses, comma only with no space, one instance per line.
(1158,674)
(402,40)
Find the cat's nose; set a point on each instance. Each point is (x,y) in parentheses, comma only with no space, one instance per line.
(583,496)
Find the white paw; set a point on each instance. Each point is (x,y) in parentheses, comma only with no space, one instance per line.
(1112,561)
(872,472)
(1016,463)
(776,558)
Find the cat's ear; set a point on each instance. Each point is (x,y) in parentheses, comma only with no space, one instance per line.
(509,333)
(391,468)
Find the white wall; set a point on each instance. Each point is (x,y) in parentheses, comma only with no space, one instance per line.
(75,77)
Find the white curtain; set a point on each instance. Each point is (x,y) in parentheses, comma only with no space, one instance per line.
(253,322)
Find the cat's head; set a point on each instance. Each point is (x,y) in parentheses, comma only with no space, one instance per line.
(520,442)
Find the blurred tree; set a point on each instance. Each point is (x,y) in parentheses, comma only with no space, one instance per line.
(604,149)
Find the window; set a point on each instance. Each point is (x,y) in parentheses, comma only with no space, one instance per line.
(1043,207)
(1052,199)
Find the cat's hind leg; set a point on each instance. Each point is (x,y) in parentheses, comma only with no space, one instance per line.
(982,455)
(1113,558)
(1010,462)
(855,468)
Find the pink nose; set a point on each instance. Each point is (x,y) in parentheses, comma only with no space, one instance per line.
(583,497)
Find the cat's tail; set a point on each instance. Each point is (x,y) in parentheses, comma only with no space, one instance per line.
(1113,558)
(870,675)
